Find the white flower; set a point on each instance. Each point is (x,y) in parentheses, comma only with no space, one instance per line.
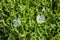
(40,19)
(16,22)
(43,9)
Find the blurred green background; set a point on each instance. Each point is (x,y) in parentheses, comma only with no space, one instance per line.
(27,10)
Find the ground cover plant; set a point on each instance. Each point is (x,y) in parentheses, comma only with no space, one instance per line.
(29,19)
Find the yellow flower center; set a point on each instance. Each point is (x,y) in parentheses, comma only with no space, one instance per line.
(39,19)
(17,22)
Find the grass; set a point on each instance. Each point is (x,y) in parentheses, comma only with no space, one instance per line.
(30,29)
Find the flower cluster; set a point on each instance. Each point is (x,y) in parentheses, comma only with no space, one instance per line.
(40,19)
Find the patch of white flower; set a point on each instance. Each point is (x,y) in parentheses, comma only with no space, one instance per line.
(16,22)
(40,19)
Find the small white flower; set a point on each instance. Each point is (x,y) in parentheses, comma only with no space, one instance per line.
(40,19)
(16,22)
(43,9)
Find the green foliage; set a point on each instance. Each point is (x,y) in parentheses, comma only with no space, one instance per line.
(27,10)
